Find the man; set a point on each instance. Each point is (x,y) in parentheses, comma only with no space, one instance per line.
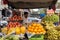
(25,18)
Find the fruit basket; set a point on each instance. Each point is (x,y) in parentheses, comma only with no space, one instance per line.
(37,30)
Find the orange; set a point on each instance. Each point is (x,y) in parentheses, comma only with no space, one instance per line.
(35,30)
(32,27)
(44,32)
(38,25)
(39,30)
(34,24)
(37,33)
(29,26)
(32,30)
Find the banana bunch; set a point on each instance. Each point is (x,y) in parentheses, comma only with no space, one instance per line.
(49,25)
(52,33)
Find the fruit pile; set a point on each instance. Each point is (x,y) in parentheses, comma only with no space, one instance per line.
(13,24)
(15,18)
(51,33)
(11,37)
(58,29)
(36,28)
(14,27)
(54,18)
(20,30)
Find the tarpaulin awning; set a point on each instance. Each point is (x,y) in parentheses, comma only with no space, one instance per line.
(31,3)
(30,0)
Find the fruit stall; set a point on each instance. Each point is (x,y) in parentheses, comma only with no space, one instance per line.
(16,29)
(44,30)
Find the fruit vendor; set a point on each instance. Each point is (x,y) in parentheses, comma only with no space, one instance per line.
(25,20)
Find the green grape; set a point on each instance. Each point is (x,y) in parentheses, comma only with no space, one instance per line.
(54,18)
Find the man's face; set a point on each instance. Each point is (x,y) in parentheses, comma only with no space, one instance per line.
(26,15)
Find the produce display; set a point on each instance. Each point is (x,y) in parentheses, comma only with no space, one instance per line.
(54,18)
(58,29)
(14,24)
(51,33)
(15,18)
(11,37)
(46,30)
(36,28)
(14,27)
(17,29)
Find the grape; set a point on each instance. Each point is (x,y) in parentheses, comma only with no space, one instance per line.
(54,18)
